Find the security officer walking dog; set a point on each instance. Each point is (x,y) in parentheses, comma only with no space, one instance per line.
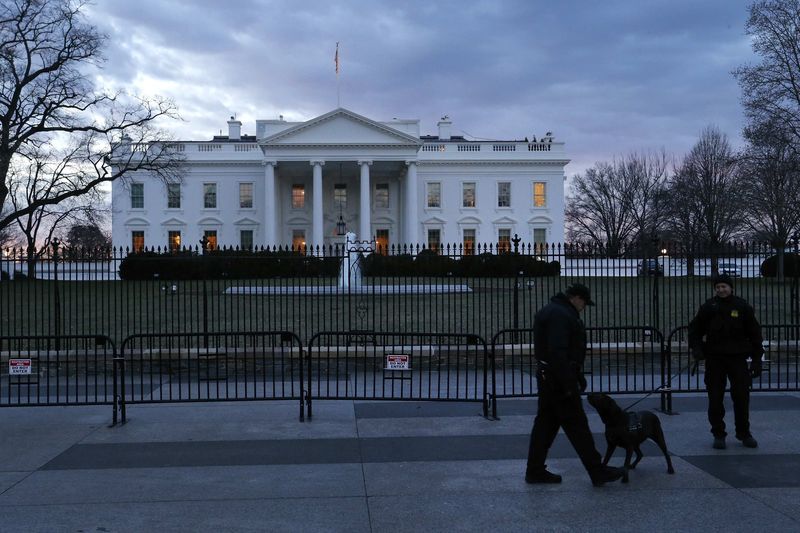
(560,347)
(732,334)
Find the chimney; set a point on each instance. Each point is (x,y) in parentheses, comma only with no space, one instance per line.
(234,129)
(444,128)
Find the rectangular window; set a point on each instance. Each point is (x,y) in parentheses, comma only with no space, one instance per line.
(174,243)
(210,195)
(468,195)
(339,197)
(504,194)
(503,240)
(173,195)
(245,196)
(539,239)
(469,241)
(298,196)
(210,238)
(539,194)
(382,241)
(246,239)
(381,196)
(137,238)
(298,239)
(434,194)
(137,195)
(434,239)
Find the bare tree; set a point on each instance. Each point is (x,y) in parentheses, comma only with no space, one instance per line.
(614,204)
(707,202)
(47,101)
(771,168)
(771,88)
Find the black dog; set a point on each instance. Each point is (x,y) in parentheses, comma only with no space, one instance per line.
(628,430)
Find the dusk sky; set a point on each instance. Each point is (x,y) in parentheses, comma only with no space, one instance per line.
(605,77)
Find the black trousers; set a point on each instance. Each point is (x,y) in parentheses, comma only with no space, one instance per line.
(720,370)
(556,411)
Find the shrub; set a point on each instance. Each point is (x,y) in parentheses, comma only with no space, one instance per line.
(791,265)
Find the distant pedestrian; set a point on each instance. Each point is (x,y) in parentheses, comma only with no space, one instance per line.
(725,333)
(560,347)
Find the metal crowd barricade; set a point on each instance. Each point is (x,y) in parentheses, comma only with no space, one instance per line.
(621,360)
(39,370)
(372,365)
(780,362)
(214,366)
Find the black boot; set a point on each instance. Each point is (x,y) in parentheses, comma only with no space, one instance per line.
(606,474)
(542,476)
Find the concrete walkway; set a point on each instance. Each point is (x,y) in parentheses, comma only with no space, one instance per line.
(368,466)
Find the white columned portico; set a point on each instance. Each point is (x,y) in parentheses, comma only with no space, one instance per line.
(410,216)
(317,238)
(270,218)
(364,225)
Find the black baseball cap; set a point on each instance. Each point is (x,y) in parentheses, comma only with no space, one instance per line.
(722,278)
(580,290)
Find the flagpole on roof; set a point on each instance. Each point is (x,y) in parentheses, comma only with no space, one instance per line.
(336,64)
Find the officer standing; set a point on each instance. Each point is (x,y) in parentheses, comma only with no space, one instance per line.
(732,334)
(560,347)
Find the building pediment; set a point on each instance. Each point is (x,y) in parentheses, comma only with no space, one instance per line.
(469,220)
(506,221)
(434,220)
(246,221)
(209,221)
(340,127)
(540,219)
(173,222)
(137,221)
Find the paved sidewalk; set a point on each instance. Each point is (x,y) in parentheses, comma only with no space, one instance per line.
(369,466)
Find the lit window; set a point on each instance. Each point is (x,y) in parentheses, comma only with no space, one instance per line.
(246,239)
(469,241)
(173,195)
(210,237)
(468,194)
(210,195)
(137,195)
(137,238)
(381,196)
(503,240)
(245,195)
(504,194)
(539,194)
(339,196)
(298,239)
(434,239)
(298,196)
(174,241)
(382,241)
(434,194)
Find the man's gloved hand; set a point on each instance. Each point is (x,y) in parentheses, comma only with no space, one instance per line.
(582,382)
(697,354)
(755,367)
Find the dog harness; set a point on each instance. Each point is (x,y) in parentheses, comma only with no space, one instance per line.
(634,422)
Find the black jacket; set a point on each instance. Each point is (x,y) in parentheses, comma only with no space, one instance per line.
(559,340)
(729,326)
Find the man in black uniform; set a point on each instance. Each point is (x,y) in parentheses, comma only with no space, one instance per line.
(732,334)
(560,347)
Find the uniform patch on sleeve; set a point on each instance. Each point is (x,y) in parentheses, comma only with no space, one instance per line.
(735,313)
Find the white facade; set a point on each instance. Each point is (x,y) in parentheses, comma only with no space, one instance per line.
(382,178)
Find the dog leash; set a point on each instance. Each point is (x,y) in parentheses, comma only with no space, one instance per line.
(661,388)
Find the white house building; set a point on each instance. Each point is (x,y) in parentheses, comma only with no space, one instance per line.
(291,182)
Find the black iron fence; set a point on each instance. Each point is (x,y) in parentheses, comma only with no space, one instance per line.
(65,370)
(452,289)
(214,366)
(398,366)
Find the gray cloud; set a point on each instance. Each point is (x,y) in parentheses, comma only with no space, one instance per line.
(608,77)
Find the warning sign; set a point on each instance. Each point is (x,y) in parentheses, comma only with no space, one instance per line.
(397,362)
(18,367)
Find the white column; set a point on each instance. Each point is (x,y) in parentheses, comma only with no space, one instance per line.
(364,226)
(317,238)
(270,218)
(411,217)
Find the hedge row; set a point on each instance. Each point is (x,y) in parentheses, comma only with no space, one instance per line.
(261,264)
(791,266)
